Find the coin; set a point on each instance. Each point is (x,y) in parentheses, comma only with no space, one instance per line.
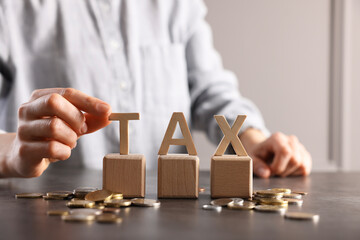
(108,218)
(111,210)
(99,195)
(85,211)
(292,195)
(302,216)
(282,190)
(243,206)
(212,207)
(300,192)
(54,198)
(294,201)
(117,203)
(221,202)
(78,218)
(268,193)
(273,201)
(57,212)
(143,202)
(270,208)
(59,194)
(29,195)
(81,192)
(117,196)
(80,204)
(202,190)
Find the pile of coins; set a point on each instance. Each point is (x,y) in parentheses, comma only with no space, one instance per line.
(87,204)
(270,200)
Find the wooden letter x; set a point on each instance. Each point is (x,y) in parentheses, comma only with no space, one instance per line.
(177,117)
(124,118)
(230,135)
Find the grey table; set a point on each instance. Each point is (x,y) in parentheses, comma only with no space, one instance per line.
(335,196)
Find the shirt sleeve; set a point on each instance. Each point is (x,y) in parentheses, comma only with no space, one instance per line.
(4,50)
(214,90)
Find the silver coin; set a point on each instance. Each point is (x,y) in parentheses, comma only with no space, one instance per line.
(144,202)
(238,201)
(212,207)
(85,211)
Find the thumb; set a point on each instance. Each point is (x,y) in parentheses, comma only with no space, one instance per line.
(261,169)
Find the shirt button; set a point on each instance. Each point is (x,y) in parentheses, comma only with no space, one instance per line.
(123,85)
(115,45)
(105,5)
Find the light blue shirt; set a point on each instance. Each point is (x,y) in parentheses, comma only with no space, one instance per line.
(154,57)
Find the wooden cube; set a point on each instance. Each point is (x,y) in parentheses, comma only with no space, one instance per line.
(178,176)
(124,174)
(231,176)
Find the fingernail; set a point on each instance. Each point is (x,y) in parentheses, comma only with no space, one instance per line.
(74,145)
(101,107)
(84,128)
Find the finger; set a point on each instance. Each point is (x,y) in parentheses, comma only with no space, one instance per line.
(79,99)
(48,129)
(54,105)
(260,168)
(280,146)
(95,123)
(297,158)
(34,152)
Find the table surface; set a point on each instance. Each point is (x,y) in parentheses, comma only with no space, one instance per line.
(334,196)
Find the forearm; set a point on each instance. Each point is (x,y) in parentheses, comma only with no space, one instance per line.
(6,141)
(251,137)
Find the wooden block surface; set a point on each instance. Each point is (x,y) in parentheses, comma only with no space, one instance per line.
(124,174)
(178,176)
(187,141)
(231,176)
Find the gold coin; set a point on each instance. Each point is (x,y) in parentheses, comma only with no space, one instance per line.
(59,194)
(293,201)
(243,206)
(78,218)
(29,195)
(99,195)
(117,196)
(216,208)
(292,195)
(302,216)
(282,190)
(80,204)
(268,193)
(85,211)
(117,203)
(221,202)
(143,202)
(300,192)
(54,198)
(202,190)
(111,210)
(270,208)
(108,218)
(81,192)
(57,212)
(272,201)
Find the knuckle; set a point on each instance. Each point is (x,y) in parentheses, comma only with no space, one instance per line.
(285,151)
(23,150)
(68,92)
(21,130)
(54,126)
(22,111)
(35,94)
(53,100)
(52,149)
(278,136)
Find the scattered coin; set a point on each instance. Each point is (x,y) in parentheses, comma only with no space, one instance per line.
(243,206)
(29,195)
(143,202)
(57,212)
(302,216)
(108,218)
(301,193)
(111,210)
(292,195)
(269,193)
(283,190)
(80,204)
(54,198)
(99,195)
(202,190)
(293,201)
(86,211)
(270,208)
(221,202)
(273,201)
(116,203)
(212,207)
(117,196)
(59,194)
(81,192)
(78,218)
